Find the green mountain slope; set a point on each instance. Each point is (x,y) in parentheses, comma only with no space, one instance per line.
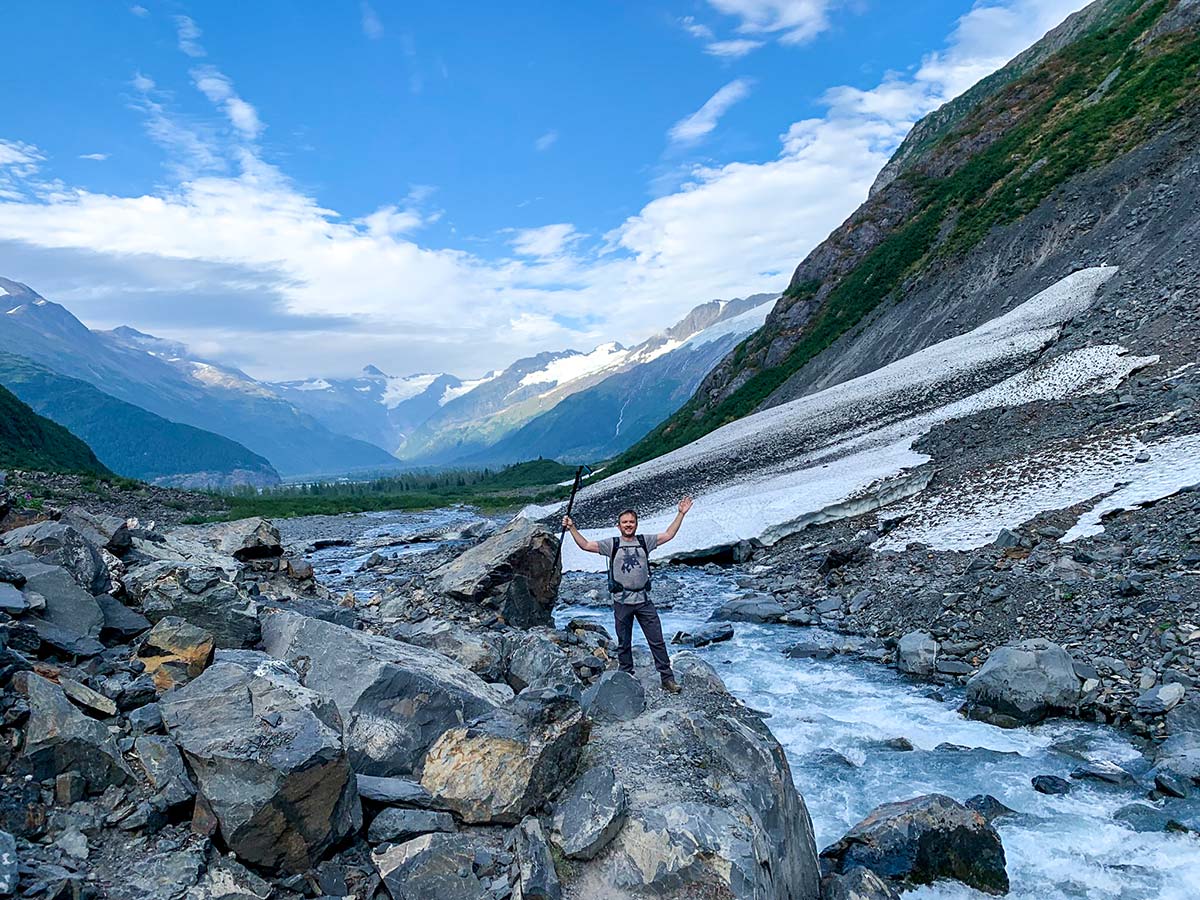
(1128,70)
(29,441)
(130,440)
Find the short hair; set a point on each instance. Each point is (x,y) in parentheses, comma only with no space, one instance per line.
(627,512)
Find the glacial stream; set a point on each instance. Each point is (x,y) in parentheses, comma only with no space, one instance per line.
(834,718)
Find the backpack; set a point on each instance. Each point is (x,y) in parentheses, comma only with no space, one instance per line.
(615,587)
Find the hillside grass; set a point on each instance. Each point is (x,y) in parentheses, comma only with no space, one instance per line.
(30,441)
(535,481)
(1065,131)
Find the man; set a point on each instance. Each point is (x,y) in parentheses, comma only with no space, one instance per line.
(628,557)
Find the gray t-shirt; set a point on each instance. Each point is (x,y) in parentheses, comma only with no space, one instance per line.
(631,568)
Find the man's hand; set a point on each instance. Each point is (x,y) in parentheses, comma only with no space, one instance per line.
(582,542)
(684,505)
(568,522)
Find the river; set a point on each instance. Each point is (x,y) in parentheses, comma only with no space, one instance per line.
(835,716)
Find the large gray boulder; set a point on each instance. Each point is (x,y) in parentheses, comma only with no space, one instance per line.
(58,544)
(245,539)
(59,738)
(396,824)
(269,760)
(515,570)
(535,867)
(1023,683)
(1180,755)
(919,841)
(615,697)
(477,651)
(67,605)
(857,884)
(713,633)
(202,595)
(501,767)
(537,661)
(916,654)
(109,533)
(590,813)
(395,699)
(435,865)
(758,610)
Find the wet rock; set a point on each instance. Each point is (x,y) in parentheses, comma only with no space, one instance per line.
(58,544)
(590,813)
(60,738)
(809,651)
(916,654)
(175,652)
(397,825)
(989,807)
(921,840)
(1171,785)
(396,699)
(472,649)
(200,594)
(1050,784)
(503,766)
(539,662)
(163,765)
(749,609)
(1103,771)
(1160,700)
(433,865)
(515,566)
(537,878)
(615,697)
(1180,755)
(1025,682)
(9,866)
(268,758)
(857,884)
(704,635)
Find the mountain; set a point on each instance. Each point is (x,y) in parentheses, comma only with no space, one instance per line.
(131,441)
(465,429)
(1006,333)
(150,373)
(956,209)
(29,441)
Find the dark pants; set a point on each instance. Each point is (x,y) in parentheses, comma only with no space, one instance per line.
(647,616)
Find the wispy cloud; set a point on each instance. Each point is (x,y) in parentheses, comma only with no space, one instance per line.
(219,90)
(695,29)
(98,157)
(704,120)
(189,35)
(371,25)
(790,21)
(190,151)
(546,241)
(734,49)
(140,11)
(546,141)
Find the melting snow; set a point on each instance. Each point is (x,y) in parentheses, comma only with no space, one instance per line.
(453,393)
(838,445)
(744,323)
(400,389)
(577,365)
(3,292)
(316,384)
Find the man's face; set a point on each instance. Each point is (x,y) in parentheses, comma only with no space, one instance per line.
(628,525)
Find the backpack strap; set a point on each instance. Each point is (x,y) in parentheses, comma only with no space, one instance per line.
(613,586)
(641,539)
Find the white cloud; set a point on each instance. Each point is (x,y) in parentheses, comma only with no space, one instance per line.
(140,11)
(189,34)
(695,29)
(546,241)
(546,141)
(791,21)
(98,157)
(730,230)
(734,49)
(219,90)
(371,26)
(704,120)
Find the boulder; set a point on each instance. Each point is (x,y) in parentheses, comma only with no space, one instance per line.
(58,544)
(988,807)
(537,661)
(857,884)
(433,865)
(516,568)
(10,872)
(1023,684)
(120,622)
(394,790)
(705,635)
(616,696)
(1050,784)
(175,652)
(475,650)
(91,702)
(919,841)
(59,738)
(395,699)
(163,765)
(12,601)
(109,533)
(1180,755)
(749,609)
(202,595)
(67,606)
(395,825)
(590,813)
(245,539)
(227,879)
(269,760)
(1160,700)
(916,654)
(503,766)
(535,867)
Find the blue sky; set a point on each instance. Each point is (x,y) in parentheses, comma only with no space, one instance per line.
(302,189)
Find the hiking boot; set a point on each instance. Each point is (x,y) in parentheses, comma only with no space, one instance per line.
(671,686)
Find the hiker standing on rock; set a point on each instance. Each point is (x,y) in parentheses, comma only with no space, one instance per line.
(628,557)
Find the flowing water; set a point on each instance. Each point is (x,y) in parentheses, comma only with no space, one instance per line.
(834,718)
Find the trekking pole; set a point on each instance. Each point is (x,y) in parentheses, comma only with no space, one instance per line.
(570,505)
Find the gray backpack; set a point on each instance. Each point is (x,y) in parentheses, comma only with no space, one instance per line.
(614,586)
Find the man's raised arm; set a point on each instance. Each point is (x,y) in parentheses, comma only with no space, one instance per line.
(582,542)
(684,505)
